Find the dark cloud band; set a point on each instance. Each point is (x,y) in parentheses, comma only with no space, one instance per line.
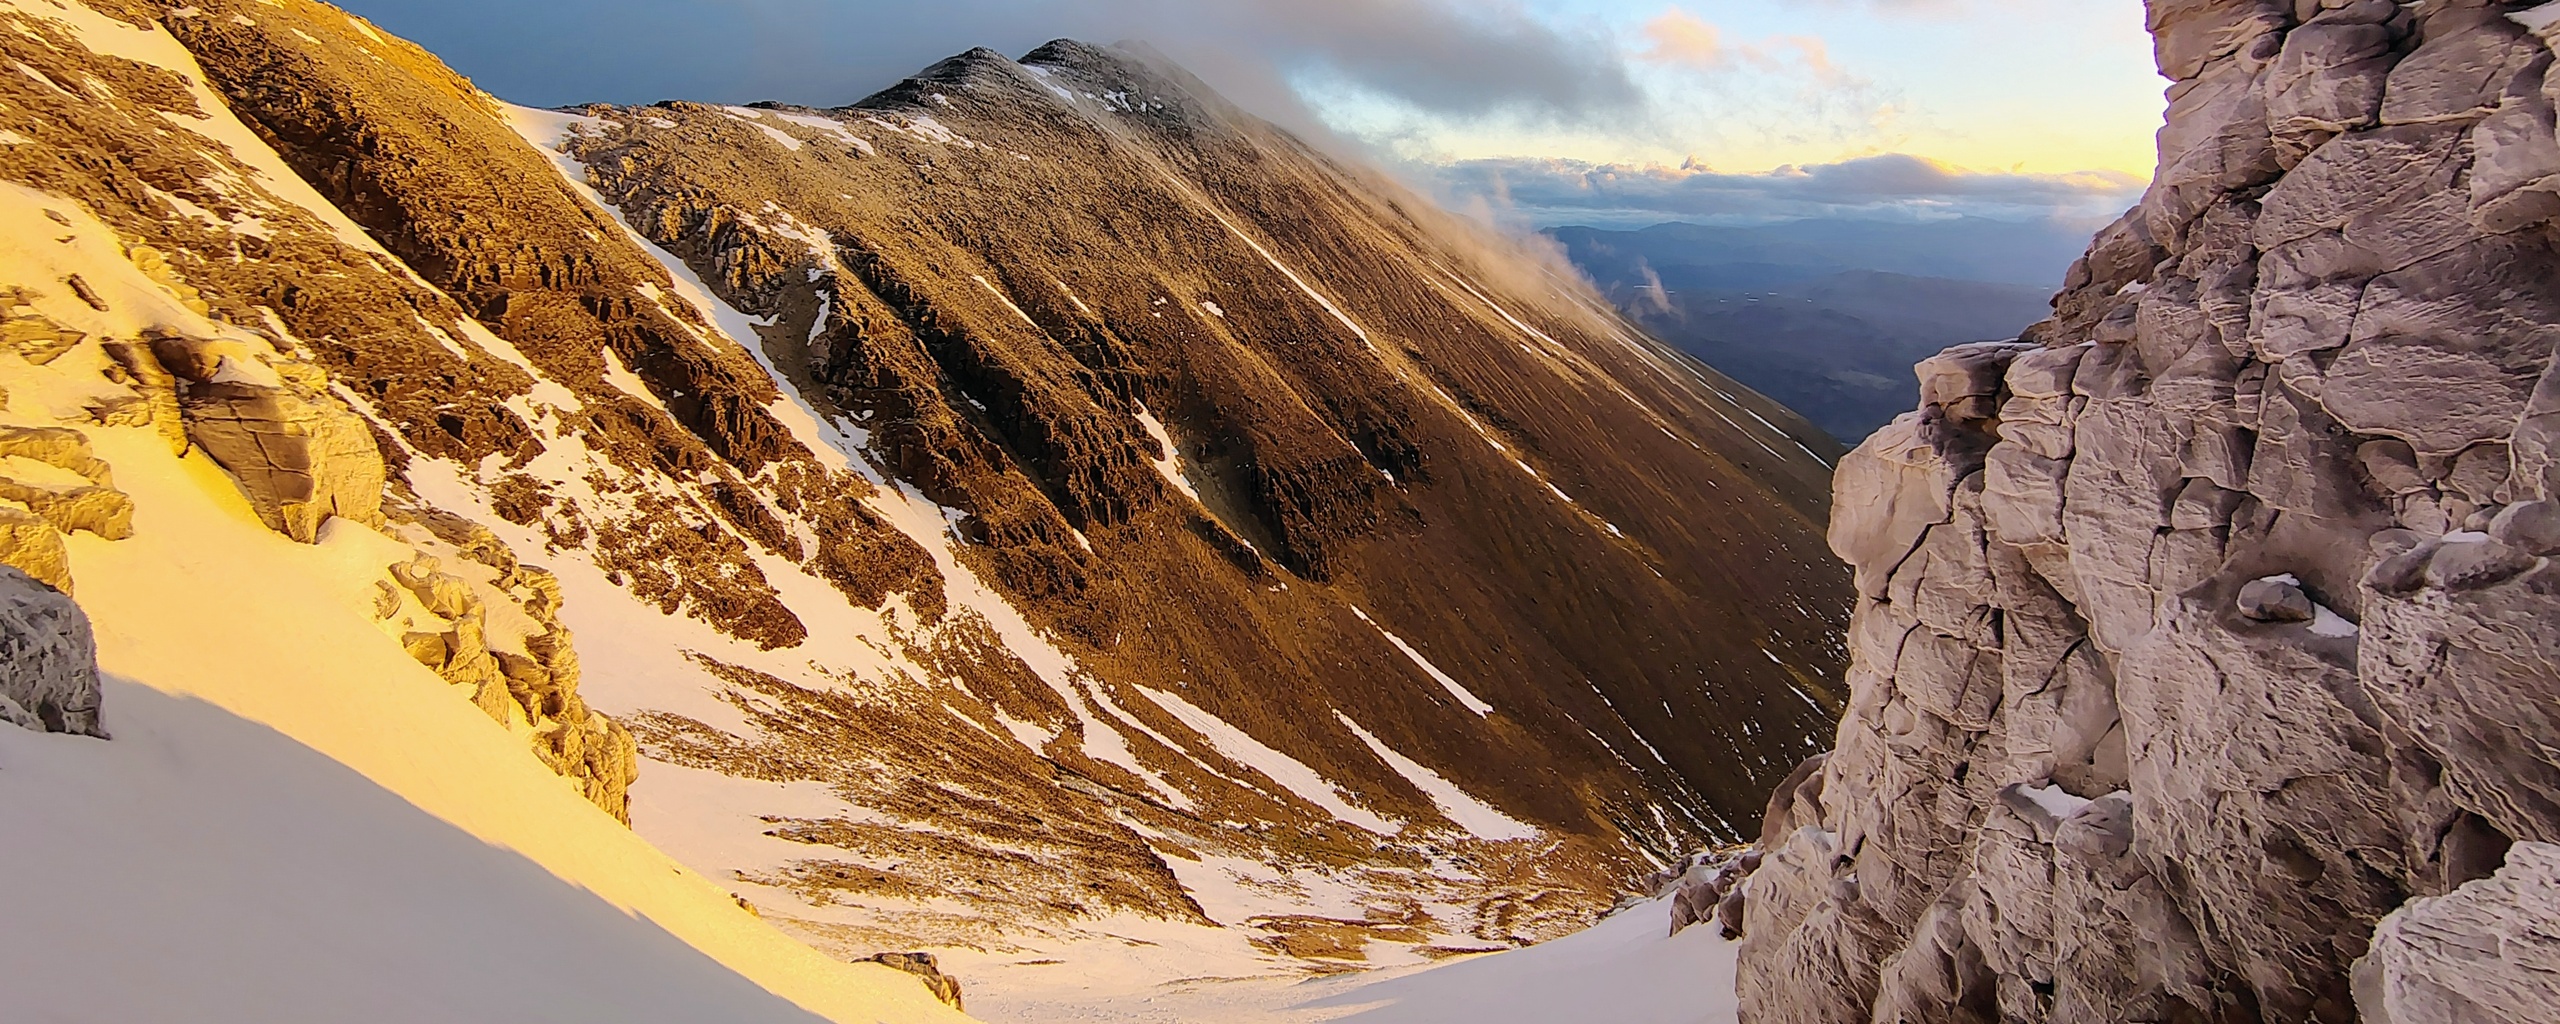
(1549,191)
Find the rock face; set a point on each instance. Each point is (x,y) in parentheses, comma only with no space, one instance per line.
(2212,623)
(48,662)
(2486,953)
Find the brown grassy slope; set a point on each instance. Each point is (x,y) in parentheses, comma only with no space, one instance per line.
(1110,230)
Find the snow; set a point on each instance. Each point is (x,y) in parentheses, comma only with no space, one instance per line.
(205,867)
(2538,18)
(1624,970)
(922,126)
(212,863)
(38,253)
(1477,817)
(1465,696)
(1006,299)
(2054,800)
(1290,773)
(2325,621)
(1170,467)
(627,382)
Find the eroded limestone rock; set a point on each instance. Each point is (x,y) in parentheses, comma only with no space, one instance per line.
(2218,627)
(2487,953)
(33,546)
(528,683)
(48,661)
(300,460)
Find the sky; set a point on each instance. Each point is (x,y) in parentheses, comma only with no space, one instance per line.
(1614,112)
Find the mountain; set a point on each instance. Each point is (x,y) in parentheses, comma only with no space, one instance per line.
(1038,513)
(2203,659)
(1827,316)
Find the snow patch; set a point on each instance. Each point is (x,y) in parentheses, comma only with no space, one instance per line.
(1290,773)
(1170,466)
(1466,697)
(1477,817)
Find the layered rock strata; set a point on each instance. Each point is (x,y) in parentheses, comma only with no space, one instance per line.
(2481,954)
(2211,622)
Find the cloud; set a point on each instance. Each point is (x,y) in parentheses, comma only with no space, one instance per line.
(1548,192)
(1407,80)
(1449,57)
(1679,38)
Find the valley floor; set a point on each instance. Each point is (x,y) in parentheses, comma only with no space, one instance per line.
(203,867)
(1624,966)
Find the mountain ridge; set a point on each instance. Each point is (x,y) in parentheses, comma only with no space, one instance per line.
(1038,509)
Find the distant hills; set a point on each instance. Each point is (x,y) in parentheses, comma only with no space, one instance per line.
(1827,316)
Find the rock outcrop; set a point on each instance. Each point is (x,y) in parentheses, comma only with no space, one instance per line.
(2211,622)
(927,969)
(301,461)
(524,674)
(72,490)
(48,661)
(2486,953)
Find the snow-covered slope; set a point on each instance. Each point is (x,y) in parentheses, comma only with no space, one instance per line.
(297,820)
(287,780)
(204,867)
(1623,970)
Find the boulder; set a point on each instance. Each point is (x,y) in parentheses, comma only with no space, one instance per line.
(48,660)
(300,460)
(2532,527)
(32,335)
(2275,599)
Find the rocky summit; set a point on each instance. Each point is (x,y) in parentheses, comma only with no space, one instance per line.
(1036,508)
(2203,665)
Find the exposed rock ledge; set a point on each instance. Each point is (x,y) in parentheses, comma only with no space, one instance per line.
(2482,954)
(2213,622)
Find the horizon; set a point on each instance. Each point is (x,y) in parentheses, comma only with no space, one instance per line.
(1539,113)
